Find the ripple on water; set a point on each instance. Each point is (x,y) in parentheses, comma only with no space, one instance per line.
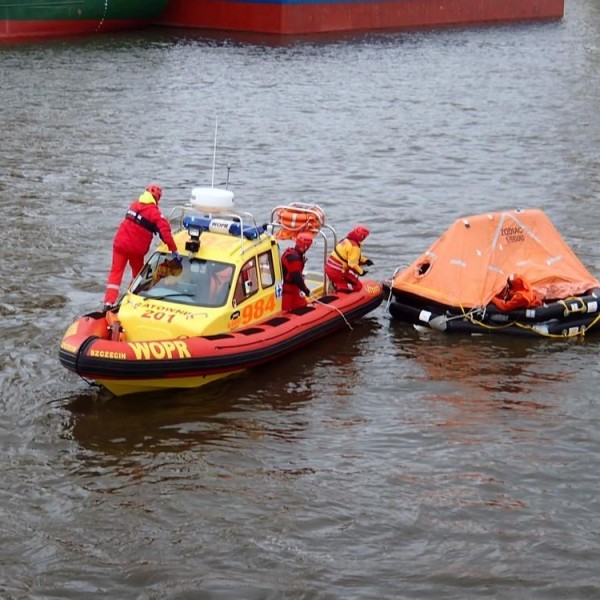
(385,462)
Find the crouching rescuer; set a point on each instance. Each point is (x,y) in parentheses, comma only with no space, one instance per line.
(345,264)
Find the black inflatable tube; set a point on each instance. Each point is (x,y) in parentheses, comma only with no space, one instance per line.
(565,328)
(443,321)
(554,310)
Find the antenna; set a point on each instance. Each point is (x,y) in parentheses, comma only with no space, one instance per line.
(215,151)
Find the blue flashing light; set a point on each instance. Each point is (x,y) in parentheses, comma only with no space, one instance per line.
(226,226)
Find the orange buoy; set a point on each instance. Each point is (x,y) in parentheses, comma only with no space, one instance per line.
(296,220)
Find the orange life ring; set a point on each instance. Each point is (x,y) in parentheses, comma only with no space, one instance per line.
(296,220)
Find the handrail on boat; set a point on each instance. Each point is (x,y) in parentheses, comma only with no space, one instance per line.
(287,221)
(244,220)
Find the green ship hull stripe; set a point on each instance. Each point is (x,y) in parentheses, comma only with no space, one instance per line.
(80,10)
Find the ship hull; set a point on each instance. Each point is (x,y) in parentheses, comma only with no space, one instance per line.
(52,18)
(299,17)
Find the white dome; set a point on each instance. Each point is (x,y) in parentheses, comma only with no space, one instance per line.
(211,199)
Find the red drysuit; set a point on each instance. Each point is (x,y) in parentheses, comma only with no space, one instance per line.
(133,239)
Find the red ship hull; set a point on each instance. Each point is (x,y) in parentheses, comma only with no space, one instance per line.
(282,17)
(26,30)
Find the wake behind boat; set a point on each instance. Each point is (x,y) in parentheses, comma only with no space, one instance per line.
(504,272)
(217,311)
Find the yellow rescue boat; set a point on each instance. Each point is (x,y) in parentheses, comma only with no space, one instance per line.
(217,311)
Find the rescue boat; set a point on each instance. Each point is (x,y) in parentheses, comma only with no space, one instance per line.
(218,310)
(463,282)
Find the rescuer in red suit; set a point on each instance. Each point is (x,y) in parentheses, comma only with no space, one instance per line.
(345,264)
(133,238)
(293,261)
(517,293)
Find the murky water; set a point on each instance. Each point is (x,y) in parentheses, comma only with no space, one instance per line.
(383,464)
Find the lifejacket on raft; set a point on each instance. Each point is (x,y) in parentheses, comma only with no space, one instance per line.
(517,293)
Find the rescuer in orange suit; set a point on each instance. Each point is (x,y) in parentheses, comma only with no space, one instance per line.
(345,264)
(133,238)
(517,293)
(293,261)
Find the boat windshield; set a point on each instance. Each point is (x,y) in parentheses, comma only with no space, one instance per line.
(186,281)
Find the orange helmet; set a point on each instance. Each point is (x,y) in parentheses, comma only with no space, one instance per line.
(155,190)
(360,232)
(303,242)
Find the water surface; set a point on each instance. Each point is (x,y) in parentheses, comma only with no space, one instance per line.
(385,463)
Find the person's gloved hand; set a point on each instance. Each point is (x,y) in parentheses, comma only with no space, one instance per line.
(177,256)
(368,262)
(365,272)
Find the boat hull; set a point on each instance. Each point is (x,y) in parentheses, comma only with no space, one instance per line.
(300,17)
(51,18)
(126,367)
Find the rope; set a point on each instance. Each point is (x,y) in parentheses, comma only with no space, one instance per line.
(567,302)
(336,309)
(389,298)
(101,23)
(90,382)
(469,316)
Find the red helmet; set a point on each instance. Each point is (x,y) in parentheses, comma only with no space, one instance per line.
(360,232)
(155,190)
(303,242)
